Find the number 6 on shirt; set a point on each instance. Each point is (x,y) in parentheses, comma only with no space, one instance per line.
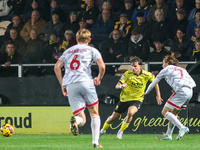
(74,65)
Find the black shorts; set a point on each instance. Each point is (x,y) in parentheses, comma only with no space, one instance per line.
(123,106)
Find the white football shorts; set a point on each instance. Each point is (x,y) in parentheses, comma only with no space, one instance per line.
(81,95)
(180,99)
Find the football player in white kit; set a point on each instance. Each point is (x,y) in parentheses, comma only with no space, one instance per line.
(78,83)
(182,84)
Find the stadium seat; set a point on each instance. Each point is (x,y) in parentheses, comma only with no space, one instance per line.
(3,27)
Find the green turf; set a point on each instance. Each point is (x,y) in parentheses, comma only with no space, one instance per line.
(109,141)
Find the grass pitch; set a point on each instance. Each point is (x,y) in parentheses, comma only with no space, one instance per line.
(109,141)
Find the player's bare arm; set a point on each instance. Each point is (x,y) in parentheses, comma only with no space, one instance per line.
(102,68)
(158,95)
(150,87)
(58,72)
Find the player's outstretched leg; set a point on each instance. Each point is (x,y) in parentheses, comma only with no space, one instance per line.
(182,132)
(176,122)
(108,122)
(74,126)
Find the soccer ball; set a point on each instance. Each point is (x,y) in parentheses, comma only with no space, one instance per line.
(7,130)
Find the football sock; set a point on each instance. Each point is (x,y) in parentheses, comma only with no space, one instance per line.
(174,120)
(95,126)
(79,120)
(170,128)
(106,126)
(124,126)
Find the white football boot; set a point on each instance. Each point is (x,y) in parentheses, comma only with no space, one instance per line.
(102,132)
(164,137)
(182,132)
(119,134)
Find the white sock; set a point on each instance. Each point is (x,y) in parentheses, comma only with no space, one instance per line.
(95,126)
(79,120)
(170,116)
(170,128)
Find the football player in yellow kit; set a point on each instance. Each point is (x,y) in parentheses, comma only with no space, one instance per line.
(133,83)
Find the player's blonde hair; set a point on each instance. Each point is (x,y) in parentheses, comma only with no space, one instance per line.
(171,60)
(83,35)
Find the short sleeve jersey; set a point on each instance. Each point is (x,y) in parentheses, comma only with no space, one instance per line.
(136,85)
(77,60)
(176,77)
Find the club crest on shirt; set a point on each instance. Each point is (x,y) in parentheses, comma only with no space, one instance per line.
(122,76)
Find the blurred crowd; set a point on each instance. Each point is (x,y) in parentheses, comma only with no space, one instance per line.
(39,31)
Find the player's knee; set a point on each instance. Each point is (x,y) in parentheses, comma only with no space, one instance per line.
(131,112)
(163,112)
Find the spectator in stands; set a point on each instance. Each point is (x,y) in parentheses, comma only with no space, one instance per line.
(197,34)
(90,13)
(196,52)
(128,9)
(17,7)
(34,6)
(104,4)
(102,28)
(35,23)
(42,4)
(114,49)
(143,7)
(66,42)
(33,52)
(73,24)
(48,47)
(54,5)
(157,56)
(16,39)
(160,28)
(16,23)
(175,6)
(10,56)
(191,15)
(124,25)
(180,46)
(82,24)
(138,46)
(142,24)
(54,24)
(160,4)
(195,57)
(179,22)
(194,39)
(193,23)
